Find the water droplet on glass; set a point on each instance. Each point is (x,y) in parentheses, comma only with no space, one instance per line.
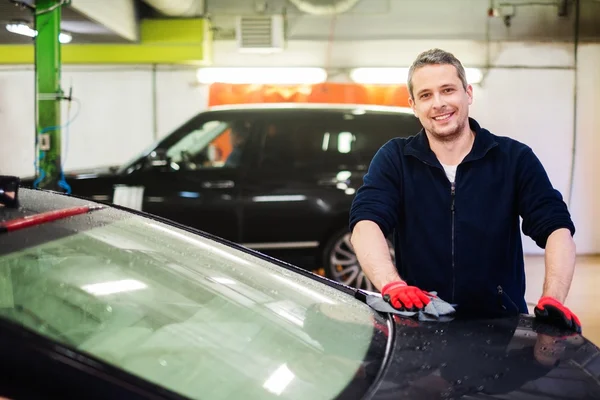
(109,308)
(163,363)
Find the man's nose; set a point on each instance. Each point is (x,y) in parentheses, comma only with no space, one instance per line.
(438,101)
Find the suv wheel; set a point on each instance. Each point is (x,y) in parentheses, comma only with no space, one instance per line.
(341,264)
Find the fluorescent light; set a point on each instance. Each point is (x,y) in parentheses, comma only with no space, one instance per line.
(106,288)
(22,29)
(269,75)
(279,380)
(397,76)
(64,38)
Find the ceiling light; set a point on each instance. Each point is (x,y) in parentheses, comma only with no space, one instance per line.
(64,38)
(256,75)
(397,76)
(23,29)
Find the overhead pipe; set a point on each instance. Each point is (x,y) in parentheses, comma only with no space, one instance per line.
(178,8)
(320,7)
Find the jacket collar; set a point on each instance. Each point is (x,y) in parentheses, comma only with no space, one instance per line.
(484,142)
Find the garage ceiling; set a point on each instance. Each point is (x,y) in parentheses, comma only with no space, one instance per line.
(83,28)
(420,19)
(363,19)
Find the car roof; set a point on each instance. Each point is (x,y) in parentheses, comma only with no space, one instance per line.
(335,107)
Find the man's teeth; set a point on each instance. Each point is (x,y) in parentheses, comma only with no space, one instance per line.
(441,117)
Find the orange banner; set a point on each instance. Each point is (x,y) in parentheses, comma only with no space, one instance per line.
(340,93)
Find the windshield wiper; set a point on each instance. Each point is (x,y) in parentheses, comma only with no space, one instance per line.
(42,218)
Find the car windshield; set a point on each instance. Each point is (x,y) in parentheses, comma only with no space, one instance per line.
(184,311)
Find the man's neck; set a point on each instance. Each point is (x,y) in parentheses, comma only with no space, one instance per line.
(454,151)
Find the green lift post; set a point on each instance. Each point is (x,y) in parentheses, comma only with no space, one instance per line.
(49,93)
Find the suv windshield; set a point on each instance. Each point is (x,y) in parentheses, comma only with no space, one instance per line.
(186,312)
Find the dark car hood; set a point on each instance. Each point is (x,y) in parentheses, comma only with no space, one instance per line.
(515,358)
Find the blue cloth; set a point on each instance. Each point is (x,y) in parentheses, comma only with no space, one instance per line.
(436,310)
(465,246)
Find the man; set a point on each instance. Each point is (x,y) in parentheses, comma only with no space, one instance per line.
(451,196)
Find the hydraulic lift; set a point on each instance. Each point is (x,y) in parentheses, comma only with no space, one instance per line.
(49,95)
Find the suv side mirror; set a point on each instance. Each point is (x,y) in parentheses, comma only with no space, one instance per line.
(158,159)
(9,191)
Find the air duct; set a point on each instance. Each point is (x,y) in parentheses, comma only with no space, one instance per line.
(324,7)
(178,8)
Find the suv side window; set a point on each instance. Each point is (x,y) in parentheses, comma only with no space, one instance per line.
(331,140)
(212,144)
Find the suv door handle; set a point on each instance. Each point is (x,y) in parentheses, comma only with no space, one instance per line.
(218,184)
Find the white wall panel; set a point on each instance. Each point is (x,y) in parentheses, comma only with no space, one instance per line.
(373,53)
(179,98)
(536,108)
(114,119)
(17,128)
(586,191)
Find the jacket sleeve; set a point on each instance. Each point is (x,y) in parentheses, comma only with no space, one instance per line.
(378,199)
(540,205)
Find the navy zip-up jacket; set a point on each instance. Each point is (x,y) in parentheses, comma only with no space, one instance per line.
(462,241)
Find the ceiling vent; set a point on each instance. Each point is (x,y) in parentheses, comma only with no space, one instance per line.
(260,33)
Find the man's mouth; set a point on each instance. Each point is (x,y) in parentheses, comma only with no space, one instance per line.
(443,117)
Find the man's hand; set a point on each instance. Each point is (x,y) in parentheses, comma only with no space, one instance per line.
(404,297)
(551,311)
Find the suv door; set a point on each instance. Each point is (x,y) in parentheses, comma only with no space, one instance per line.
(193,176)
(311,163)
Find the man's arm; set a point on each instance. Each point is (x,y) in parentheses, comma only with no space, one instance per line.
(560,256)
(373,254)
(546,219)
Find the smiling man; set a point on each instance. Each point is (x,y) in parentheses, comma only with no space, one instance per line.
(451,197)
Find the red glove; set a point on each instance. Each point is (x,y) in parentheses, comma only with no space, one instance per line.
(552,311)
(404,297)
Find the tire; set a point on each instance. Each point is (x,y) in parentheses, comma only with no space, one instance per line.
(341,264)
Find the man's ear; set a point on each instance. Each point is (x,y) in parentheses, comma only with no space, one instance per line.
(470,93)
(411,103)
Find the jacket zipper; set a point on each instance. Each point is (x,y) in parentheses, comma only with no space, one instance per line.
(452,208)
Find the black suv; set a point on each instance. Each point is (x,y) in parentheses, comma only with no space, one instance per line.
(279,178)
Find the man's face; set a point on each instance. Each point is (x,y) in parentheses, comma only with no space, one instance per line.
(440,101)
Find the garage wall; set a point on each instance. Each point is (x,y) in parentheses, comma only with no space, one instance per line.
(121,110)
(528,95)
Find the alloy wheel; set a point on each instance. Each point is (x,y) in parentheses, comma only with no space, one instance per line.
(344,266)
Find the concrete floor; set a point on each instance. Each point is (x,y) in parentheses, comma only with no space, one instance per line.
(584,295)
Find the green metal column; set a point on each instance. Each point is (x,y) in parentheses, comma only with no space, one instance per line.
(48,65)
